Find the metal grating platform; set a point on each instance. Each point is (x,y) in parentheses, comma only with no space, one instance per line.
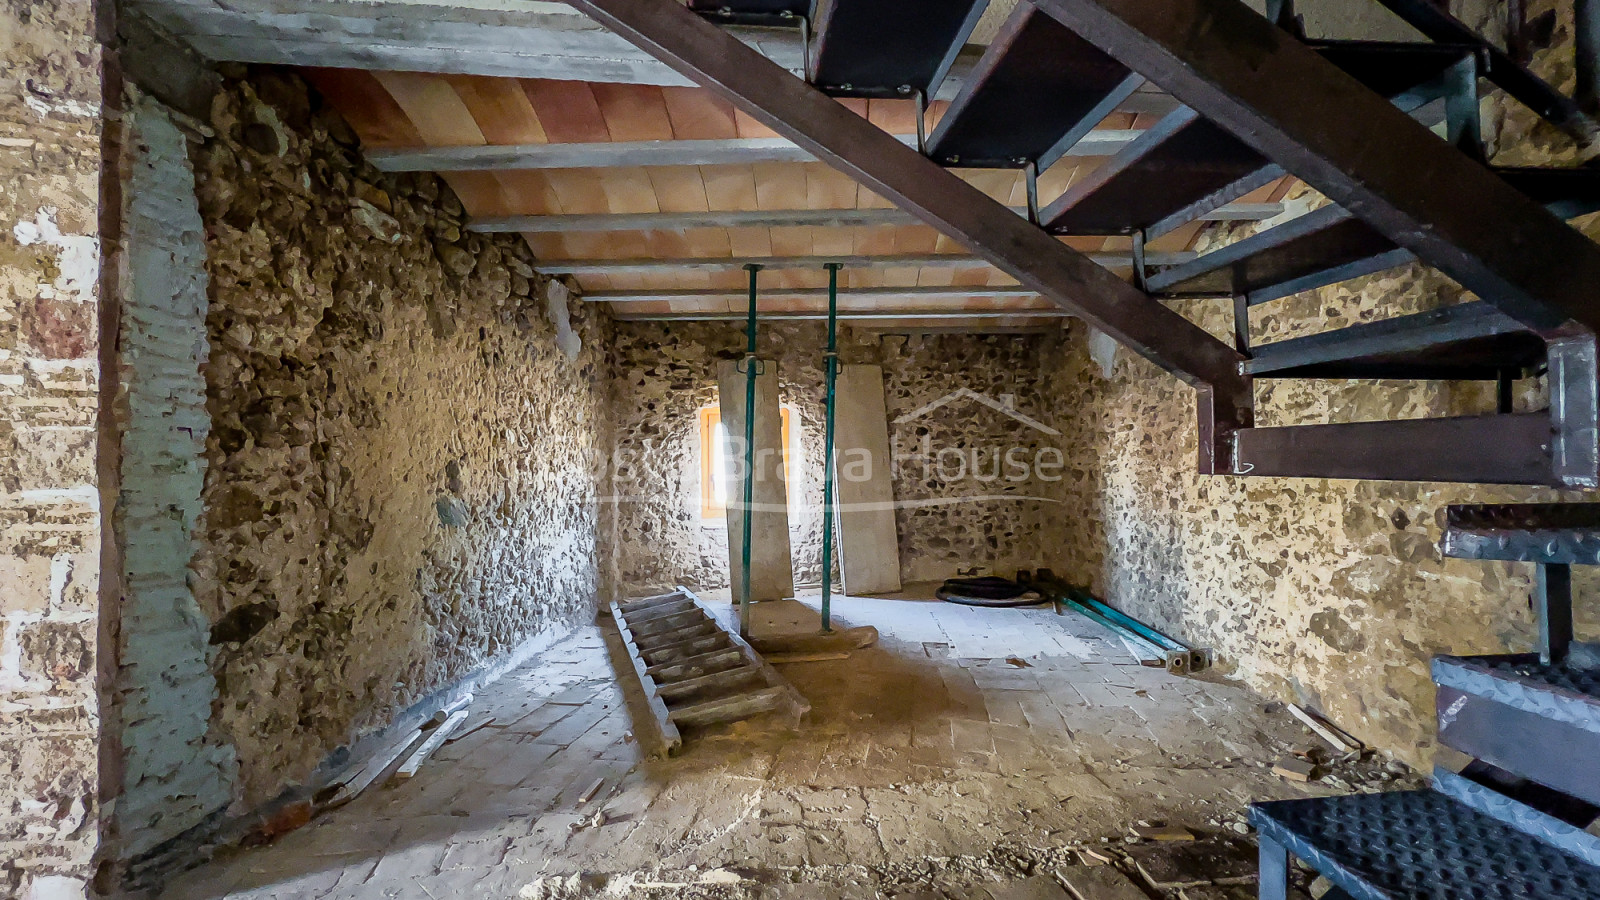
(1421,845)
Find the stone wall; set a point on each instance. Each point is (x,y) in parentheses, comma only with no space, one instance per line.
(1329,593)
(665,373)
(401,482)
(50,97)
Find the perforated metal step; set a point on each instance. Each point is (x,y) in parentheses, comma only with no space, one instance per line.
(1467,341)
(1560,533)
(1421,845)
(1539,721)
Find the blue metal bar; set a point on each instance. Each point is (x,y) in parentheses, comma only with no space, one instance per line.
(1129,623)
(831,369)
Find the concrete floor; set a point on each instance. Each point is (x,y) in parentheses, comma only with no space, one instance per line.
(970,754)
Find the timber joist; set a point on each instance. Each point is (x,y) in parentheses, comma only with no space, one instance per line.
(695,672)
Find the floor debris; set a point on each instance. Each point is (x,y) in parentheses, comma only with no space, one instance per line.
(952,776)
(1295,769)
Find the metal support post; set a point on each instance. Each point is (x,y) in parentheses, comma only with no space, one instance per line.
(1274,870)
(1552,606)
(1586,19)
(750,372)
(1462,126)
(831,375)
(1241,324)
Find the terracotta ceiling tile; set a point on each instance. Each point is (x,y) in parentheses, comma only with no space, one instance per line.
(567,110)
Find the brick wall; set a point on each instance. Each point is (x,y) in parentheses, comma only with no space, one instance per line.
(49,501)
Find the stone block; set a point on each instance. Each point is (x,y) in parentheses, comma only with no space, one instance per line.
(60,651)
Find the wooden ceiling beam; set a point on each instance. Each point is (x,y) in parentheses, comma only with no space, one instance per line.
(936,315)
(775,293)
(619,154)
(784,218)
(640,266)
(524,39)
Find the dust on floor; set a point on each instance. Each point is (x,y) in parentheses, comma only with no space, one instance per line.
(973,753)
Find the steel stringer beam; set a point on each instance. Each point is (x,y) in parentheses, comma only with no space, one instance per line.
(898,173)
(1278,95)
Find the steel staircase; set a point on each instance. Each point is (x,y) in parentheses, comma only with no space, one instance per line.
(1512,823)
(1251,100)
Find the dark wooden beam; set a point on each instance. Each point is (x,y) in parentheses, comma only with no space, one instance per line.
(1299,110)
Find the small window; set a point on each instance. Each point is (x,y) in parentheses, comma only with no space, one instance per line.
(714,476)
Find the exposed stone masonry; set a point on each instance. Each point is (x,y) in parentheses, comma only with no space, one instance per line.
(666,373)
(402,480)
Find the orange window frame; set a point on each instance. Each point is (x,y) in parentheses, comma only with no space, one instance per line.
(710,421)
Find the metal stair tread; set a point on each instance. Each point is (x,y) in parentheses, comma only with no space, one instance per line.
(1421,845)
(1037,84)
(872,48)
(1465,341)
(1186,158)
(1524,532)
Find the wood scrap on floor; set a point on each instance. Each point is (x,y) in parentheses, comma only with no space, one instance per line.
(590,791)
(470,730)
(1295,769)
(1324,729)
(1164,833)
(435,740)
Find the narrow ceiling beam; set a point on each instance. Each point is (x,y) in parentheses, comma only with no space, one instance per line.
(910,314)
(781,218)
(518,39)
(619,154)
(847,294)
(888,261)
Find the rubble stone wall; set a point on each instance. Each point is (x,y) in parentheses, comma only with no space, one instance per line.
(665,373)
(401,479)
(1327,593)
(50,99)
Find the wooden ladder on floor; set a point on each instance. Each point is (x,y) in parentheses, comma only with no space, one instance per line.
(694,671)
(1250,99)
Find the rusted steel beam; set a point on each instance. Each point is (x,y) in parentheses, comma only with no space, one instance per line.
(1299,110)
(1498,449)
(885,166)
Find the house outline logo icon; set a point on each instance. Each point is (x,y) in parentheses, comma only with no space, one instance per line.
(1005,404)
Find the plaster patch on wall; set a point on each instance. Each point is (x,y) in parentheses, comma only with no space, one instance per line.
(556,296)
(175,777)
(77,258)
